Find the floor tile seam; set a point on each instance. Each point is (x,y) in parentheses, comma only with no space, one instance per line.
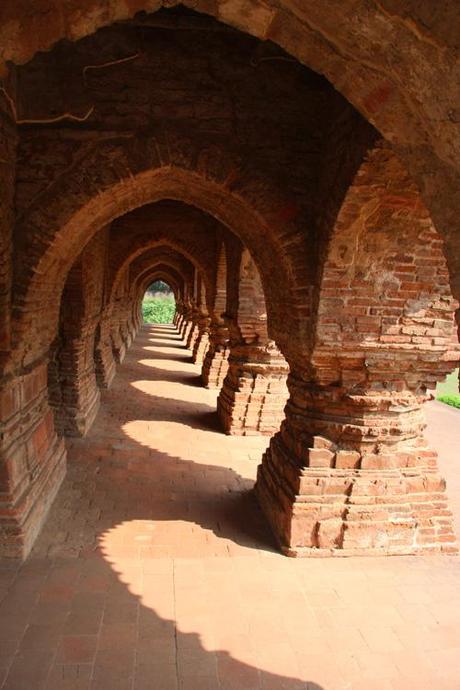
(99,633)
(138,614)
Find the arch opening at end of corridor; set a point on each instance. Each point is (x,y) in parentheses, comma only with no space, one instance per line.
(158,303)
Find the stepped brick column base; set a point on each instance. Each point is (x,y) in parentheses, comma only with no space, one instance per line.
(254,392)
(215,364)
(351,474)
(33,461)
(201,344)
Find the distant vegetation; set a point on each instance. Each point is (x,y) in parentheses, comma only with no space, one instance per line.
(159,287)
(447,392)
(158,305)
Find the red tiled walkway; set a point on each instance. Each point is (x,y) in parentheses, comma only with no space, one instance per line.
(155,570)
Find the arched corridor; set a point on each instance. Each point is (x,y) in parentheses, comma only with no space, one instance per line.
(311,281)
(155,569)
(291,170)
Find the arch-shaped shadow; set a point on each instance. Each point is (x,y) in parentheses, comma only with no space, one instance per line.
(167,337)
(178,357)
(143,428)
(173,375)
(112,604)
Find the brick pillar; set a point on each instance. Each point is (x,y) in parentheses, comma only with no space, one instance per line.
(137,318)
(254,392)
(188,329)
(201,344)
(131,325)
(103,352)
(180,315)
(351,473)
(32,461)
(118,345)
(125,325)
(194,329)
(215,364)
(73,390)
(187,322)
(8,143)
(182,321)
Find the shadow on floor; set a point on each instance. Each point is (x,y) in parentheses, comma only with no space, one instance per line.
(94,607)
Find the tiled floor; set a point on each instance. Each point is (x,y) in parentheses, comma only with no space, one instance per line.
(155,570)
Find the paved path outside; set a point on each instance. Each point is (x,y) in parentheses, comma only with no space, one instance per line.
(155,570)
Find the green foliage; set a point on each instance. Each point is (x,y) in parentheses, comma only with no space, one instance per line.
(453,400)
(158,309)
(447,391)
(160,286)
(449,386)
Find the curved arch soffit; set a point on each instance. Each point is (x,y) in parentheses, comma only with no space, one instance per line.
(158,244)
(338,41)
(152,278)
(170,275)
(58,245)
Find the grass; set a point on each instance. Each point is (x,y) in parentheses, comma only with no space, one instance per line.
(447,391)
(158,309)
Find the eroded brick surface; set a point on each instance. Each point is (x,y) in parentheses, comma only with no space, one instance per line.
(312,249)
(142,574)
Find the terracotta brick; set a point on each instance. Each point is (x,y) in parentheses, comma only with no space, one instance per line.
(293,238)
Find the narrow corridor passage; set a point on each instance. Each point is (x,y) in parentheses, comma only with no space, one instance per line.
(156,453)
(155,569)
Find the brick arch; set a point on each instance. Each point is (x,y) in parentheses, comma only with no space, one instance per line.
(147,248)
(160,272)
(120,304)
(409,106)
(164,273)
(354,426)
(121,176)
(183,269)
